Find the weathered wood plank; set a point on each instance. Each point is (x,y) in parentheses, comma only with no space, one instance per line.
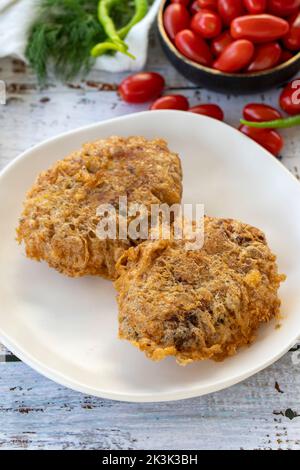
(37,413)
(30,119)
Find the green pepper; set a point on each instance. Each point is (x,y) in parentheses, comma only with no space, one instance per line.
(115,37)
(141,8)
(107,46)
(105,19)
(277,124)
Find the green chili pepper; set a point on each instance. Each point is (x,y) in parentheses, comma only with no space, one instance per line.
(115,37)
(277,124)
(108,46)
(141,8)
(105,19)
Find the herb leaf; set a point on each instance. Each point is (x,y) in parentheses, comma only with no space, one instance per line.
(64,33)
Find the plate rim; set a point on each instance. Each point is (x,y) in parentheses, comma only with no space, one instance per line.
(158,397)
(152,397)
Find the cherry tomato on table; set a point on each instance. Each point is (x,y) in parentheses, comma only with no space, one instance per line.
(211,110)
(141,87)
(207,24)
(266,56)
(259,28)
(267,138)
(235,57)
(220,43)
(283,7)
(176,18)
(210,4)
(171,102)
(290,98)
(292,39)
(255,6)
(193,47)
(259,112)
(230,9)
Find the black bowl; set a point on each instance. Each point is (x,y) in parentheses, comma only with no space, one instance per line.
(236,83)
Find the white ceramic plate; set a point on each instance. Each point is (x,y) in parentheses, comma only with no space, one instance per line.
(67,328)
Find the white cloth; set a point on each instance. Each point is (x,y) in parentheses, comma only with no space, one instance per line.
(17,15)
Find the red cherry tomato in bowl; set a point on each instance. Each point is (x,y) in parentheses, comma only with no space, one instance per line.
(267,138)
(283,8)
(219,44)
(230,9)
(259,28)
(285,56)
(290,98)
(255,6)
(210,110)
(266,57)
(292,39)
(176,18)
(235,57)
(171,102)
(207,24)
(210,4)
(259,112)
(192,46)
(141,87)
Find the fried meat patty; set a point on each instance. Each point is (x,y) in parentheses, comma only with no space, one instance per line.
(201,304)
(59,221)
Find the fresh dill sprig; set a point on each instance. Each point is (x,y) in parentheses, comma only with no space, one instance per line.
(64,33)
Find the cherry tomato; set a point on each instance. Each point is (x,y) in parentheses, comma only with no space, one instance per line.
(292,39)
(266,56)
(230,9)
(176,18)
(141,87)
(267,138)
(285,56)
(283,8)
(210,4)
(259,28)
(171,102)
(211,110)
(235,57)
(193,47)
(182,2)
(259,112)
(206,23)
(255,6)
(290,98)
(220,43)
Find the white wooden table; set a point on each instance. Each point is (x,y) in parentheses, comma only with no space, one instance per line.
(35,413)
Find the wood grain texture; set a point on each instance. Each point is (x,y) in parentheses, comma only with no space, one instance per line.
(37,413)
(261,412)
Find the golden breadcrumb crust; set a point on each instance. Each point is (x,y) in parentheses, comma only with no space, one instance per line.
(59,221)
(202,304)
